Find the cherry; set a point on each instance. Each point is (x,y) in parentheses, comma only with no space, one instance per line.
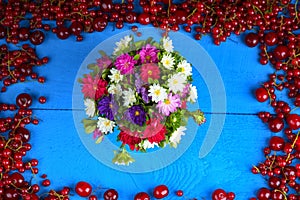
(46,182)
(281,52)
(160,191)
(17,179)
(93,197)
(276,124)
(83,189)
(11,194)
(271,39)
(276,143)
(219,194)
(25,134)
(142,196)
(110,194)
(99,24)
(76,28)
(62,32)
(23,34)
(293,120)
(264,194)
(144,18)
(251,39)
(37,37)
(261,94)
(24,100)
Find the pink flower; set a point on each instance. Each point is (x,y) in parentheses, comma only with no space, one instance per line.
(169,105)
(125,63)
(103,62)
(155,131)
(89,86)
(150,70)
(148,54)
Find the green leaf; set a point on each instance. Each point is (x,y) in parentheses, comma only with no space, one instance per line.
(136,57)
(148,41)
(79,80)
(95,69)
(102,53)
(99,139)
(89,125)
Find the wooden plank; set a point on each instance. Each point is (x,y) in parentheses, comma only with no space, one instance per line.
(55,143)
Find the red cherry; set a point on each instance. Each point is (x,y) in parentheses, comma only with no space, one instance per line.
(37,37)
(46,183)
(160,191)
(99,24)
(264,194)
(17,179)
(293,120)
(219,194)
(276,143)
(271,39)
(251,39)
(83,189)
(276,124)
(281,52)
(110,194)
(93,197)
(144,18)
(142,196)
(261,94)
(24,100)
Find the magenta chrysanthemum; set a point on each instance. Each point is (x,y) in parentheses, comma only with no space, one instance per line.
(169,105)
(104,62)
(89,86)
(150,70)
(148,54)
(125,63)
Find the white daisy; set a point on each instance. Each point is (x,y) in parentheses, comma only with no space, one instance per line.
(167,44)
(123,43)
(167,61)
(176,135)
(193,94)
(185,68)
(115,75)
(176,83)
(105,125)
(157,93)
(90,107)
(115,89)
(129,97)
(147,145)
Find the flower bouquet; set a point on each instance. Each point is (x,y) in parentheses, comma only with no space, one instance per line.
(140,93)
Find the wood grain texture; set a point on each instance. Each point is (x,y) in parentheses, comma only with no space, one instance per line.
(55,142)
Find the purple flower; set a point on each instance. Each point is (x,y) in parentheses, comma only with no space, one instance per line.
(137,115)
(138,82)
(148,54)
(104,62)
(185,91)
(107,107)
(169,105)
(144,93)
(125,63)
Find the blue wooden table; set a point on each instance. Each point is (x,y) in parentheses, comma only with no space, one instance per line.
(64,158)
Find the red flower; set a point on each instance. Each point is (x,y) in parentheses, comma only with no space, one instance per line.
(101,89)
(129,139)
(155,131)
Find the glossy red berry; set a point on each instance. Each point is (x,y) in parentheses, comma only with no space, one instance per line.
(23,100)
(83,189)
(276,124)
(281,52)
(293,120)
(42,99)
(110,194)
(251,39)
(261,94)
(142,196)
(144,18)
(160,191)
(276,143)
(270,39)
(219,194)
(179,193)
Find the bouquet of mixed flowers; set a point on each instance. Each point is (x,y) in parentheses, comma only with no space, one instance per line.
(142,91)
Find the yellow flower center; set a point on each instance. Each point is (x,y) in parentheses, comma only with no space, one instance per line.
(167,62)
(148,57)
(175,81)
(107,123)
(137,113)
(150,72)
(157,92)
(110,105)
(167,101)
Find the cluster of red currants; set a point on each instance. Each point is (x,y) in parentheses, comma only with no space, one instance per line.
(279,45)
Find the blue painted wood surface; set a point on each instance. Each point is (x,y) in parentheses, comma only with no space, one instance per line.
(63,157)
